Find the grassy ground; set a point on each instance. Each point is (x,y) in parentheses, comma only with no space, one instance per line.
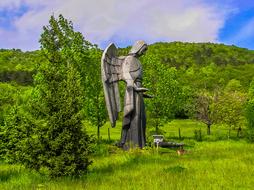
(221,164)
(171,131)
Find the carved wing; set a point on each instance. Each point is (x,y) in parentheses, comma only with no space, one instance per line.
(111,69)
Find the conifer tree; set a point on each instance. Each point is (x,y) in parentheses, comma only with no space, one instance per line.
(56,141)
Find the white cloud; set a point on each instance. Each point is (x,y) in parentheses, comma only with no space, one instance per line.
(10,4)
(122,21)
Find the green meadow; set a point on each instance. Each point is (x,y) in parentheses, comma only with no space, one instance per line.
(217,162)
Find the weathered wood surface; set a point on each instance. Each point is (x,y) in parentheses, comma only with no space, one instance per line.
(170,144)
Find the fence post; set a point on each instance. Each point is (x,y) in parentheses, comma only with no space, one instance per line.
(179,133)
(229,130)
(239,132)
(200,134)
(109,134)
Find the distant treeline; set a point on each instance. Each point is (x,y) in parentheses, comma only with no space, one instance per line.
(20,77)
(19,66)
(177,54)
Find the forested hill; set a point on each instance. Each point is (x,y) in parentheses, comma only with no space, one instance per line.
(177,54)
(16,60)
(205,65)
(187,54)
(19,66)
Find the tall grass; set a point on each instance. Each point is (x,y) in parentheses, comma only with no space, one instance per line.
(224,164)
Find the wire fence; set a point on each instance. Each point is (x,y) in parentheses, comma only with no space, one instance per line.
(202,134)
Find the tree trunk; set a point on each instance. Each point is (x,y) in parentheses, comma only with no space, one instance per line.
(239,131)
(109,134)
(156,127)
(157,130)
(208,129)
(98,133)
(229,131)
(179,133)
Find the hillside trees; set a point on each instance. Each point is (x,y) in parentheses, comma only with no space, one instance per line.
(18,66)
(7,99)
(250,112)
(174,72)
(229,107)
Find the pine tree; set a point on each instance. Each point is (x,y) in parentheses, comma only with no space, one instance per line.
(57,142)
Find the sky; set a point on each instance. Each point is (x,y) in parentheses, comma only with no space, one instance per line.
(124,21)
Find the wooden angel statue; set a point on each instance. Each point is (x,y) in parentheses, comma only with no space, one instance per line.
(128,69)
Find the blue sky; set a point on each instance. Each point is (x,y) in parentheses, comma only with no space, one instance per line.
(239,26)
(123,22)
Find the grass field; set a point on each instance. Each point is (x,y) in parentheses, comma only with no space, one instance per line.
(217,164)
(171,131)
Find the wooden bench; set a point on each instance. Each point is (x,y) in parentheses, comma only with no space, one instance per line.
(158,141)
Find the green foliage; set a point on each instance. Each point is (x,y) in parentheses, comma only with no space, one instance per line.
(251,89)
(233,85)
(16,60)
(250,119)
(212,65)
(7,99)
(229,108)
(10,94)
(164,87)
(95,108)
(179,54)
(20,77)
(198,135)
(51,135)
(18,66)
(203,109)
(186,102)
(250,112)
(199,67)
(15,135)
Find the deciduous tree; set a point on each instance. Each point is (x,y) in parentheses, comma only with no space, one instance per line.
(250,112)
(229,107)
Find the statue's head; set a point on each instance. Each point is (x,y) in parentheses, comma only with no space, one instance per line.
(139,48)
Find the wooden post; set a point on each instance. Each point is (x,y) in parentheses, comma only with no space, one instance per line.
(200,134)
(109,134)
(98,133)
(229,130)
(179,133)
(208,129)
(239,132)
